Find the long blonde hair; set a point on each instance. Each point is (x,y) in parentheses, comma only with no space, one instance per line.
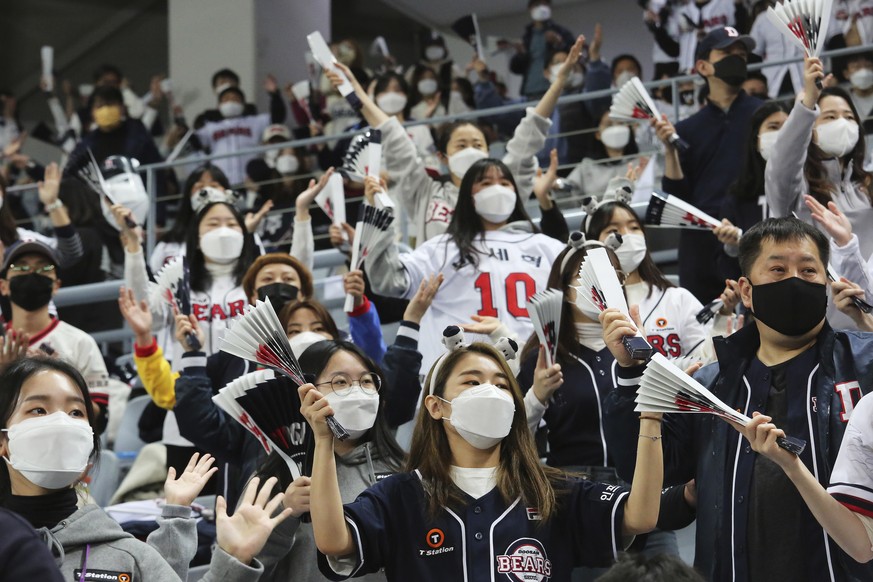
(519,473)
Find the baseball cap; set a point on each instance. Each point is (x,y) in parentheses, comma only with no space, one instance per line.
(721,38)
(28,247)
(276,130)
(232,89)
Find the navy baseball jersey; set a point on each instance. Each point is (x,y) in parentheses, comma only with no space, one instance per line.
(485,540)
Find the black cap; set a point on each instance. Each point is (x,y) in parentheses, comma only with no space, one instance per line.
(28,247)
(233,89)
(721,38)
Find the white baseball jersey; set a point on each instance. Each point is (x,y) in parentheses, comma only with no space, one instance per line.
(231,135)
(696,21)
(513,265)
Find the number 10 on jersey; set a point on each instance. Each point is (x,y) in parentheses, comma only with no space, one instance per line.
(519,288)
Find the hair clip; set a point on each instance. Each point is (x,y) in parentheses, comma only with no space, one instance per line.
(613,241)
(618,189)
(453,339)
(576,243)
(210,195)
(508,347)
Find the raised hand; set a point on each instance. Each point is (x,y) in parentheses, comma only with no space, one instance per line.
(307,197)
(730,296)
(185,489)
(727,233)
(315,408)
(831,219)
(337,232)
(420,302)
(13,346)
(596,43)
(137,314)
(544,183)
(297,496)
(482,324)
(813,71)
(372,186)
(617,326)
(844,292)
(186,324)
(664,130)
(270,84)
(253,219)
(572,58)
(353,284)
(243,534)
(50,186)
(547,379)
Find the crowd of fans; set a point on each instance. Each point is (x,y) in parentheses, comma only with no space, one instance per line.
(470,454)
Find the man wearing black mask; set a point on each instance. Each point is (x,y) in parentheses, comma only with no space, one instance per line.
(790,365)
(30,280)
(716,135)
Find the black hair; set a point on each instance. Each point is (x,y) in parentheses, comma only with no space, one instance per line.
(648,270)
(445,131)
(750,183)
(466,225)
(107,69)
(758,76)
(8,228)
(200,279)
(418,72)
(82,202)
(13,378)
(625,57)
(779,230)
(532,3)
(224,73)
(108,94)
(185,211)
(382,82)
(598,149)
(313,361)
(658,568)
(235,90)
(465,88)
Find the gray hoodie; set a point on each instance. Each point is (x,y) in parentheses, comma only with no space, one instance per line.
(91,540)
(290,553)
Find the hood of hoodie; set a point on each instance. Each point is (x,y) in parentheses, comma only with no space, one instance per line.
(518,226)
(89,525)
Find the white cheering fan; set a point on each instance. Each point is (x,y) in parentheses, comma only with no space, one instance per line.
(266,405)
(667,211)
(364,158)
(257,336)
(634,104)
(599,287)
(324,57)
(92,175)
(805,22)
(544,309)
(666,388)
(709,310)
(372,222)
(174,282)
(332,199)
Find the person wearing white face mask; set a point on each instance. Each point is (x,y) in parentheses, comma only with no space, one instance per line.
(430,202)
(492,258)
(542,37)
(474,478)
(821,151)
(391,93)
(47,442)
(859,72)
(566,119)
(615,144)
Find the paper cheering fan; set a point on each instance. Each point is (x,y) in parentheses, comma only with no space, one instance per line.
(266,405)
(544,309)
(805,22)
(324,57)
(257,336)
(174,281)
(372,222)
(332,199)
(93,177)
(599,286)
(709,310)
(667,211)
(633,103)
(666,388)
(364,158)
(859,303)
(467,27)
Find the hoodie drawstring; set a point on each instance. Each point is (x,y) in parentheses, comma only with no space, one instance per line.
(52,543)
(370,464)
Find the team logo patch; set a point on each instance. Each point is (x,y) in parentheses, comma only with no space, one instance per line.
(102,575)
(435,538)
(525,560)
(661,322)
(533,514)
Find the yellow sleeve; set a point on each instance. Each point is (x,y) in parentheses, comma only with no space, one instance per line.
(157,377)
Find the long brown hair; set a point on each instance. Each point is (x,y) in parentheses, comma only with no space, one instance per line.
(519,473)
(820,185)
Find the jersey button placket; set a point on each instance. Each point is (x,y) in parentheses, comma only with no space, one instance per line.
(478,536)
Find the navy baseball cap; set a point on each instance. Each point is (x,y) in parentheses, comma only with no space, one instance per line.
(28,247)
(721,38)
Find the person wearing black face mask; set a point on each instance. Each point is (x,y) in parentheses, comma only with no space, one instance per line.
(716,135)
(29,280)
(788,365)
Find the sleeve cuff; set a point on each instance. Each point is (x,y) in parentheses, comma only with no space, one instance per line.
(191,361)
(146,351)
(135,255)
(170,511)
(361,309)
(533,406)
(409,333)
(66,231)
(849,249)
(629,377)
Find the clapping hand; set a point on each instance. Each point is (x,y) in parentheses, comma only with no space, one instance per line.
(184,490)
(243,534)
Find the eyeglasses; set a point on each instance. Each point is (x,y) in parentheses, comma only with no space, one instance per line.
(30,269)
(342,384)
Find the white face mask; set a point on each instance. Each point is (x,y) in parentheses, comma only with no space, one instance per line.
(766,143)
(460,161)
(427,86)
(838,137)
(862,79)
(230,109)
(222,245)
(303,340)
(631,252)
(615,137)
(391,102)
(495,203)
(355,411)
(553,72)
(575,80)
(540,13)
(270,158)
(50,451)
(434,53)
(482,415)
(287,164)
(590,335)
(623,78)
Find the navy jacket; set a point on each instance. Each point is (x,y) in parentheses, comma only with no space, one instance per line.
(707,449)
(23,554)
(519,63)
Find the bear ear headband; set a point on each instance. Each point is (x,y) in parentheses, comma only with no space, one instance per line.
(577,243)
(209,195)
(617,190)
(453,339)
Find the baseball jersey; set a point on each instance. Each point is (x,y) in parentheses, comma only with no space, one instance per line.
(695,22)
(852,478)
(487,539)
(231,135)
(513,265)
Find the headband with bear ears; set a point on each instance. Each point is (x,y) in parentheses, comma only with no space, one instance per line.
(578,242)
(453,339)
(619,189)
(208,195)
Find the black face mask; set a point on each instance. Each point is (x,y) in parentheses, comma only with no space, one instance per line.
(280,294)
(791,306)
(31,292)
(731,70)
(686,97)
